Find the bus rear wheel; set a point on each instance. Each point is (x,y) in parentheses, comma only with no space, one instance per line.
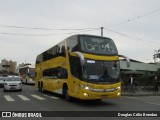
(40,87)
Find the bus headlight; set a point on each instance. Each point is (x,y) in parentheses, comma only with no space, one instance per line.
(85,87)
(118,94)
(85,94)
(118,88)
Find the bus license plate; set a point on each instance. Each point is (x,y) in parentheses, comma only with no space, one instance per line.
(104,96)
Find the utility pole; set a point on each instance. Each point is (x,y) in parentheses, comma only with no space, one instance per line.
(102,31)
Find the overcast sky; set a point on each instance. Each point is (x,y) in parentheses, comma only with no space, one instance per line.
(137,38)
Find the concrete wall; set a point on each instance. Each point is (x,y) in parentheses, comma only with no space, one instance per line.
(0,66)
(139,66)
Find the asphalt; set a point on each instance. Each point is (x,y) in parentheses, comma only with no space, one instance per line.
(142,93)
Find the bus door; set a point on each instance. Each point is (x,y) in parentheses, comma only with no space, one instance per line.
(76,71)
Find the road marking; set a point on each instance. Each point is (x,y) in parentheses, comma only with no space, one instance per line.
(51,97)
(54,97)
(152,103)
(8,98)
(129,97)
(38,97)
(23,97)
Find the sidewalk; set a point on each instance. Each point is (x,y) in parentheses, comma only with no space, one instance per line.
(142,93)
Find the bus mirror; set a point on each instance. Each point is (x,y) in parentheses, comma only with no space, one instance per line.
(80,55)
(127,60)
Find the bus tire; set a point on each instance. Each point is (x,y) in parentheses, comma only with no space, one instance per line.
(98,100)
(41,88)
(65,93)
(26,81)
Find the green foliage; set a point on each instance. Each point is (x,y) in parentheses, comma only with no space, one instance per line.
(158,73)
(146,80)
(140,80)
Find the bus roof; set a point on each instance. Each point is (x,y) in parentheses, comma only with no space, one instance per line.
(76,35)
(87,35)
(27,66)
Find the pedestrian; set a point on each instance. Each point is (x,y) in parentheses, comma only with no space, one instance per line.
(132,86)
(156,84)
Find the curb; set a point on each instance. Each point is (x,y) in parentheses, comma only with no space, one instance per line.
(140,94)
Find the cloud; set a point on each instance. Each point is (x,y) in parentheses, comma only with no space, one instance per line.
(77,14)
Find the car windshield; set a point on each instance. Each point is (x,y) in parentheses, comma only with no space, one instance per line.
(98,45)
(13,79)
(101,71)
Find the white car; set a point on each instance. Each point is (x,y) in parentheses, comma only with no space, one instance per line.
(12,83)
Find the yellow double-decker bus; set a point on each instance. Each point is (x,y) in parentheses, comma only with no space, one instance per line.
(81,66)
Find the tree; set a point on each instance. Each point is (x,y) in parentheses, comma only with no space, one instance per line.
(146,79)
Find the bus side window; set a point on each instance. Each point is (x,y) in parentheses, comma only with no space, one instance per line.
(62,73)
(75,48)
(63,52)
(58,49)
(76,68)
(72,43)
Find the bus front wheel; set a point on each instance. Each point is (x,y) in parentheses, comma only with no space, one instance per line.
(65,93)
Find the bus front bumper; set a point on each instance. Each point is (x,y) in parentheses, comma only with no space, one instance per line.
(91,95)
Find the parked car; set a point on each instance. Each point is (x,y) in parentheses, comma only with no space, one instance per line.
(2,81)
(12,83)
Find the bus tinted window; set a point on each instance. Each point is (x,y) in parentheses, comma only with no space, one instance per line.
(55,73)
(51,53)
(58,50)
(39,59)
(98,45)
(31,72)
(72,44)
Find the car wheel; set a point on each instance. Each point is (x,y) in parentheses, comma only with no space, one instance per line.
(4,90)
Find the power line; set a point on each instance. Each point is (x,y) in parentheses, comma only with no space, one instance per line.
(34,28)
(135,18)
(83,31)
(20,34)
(128,36)
(51,34)
(65,29)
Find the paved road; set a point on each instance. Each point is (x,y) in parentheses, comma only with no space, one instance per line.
(32,100)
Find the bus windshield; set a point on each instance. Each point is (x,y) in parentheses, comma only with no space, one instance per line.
(103,72)
(31,72)
(97,45)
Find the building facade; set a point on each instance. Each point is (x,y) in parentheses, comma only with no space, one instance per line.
(139,67)
(8,66)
